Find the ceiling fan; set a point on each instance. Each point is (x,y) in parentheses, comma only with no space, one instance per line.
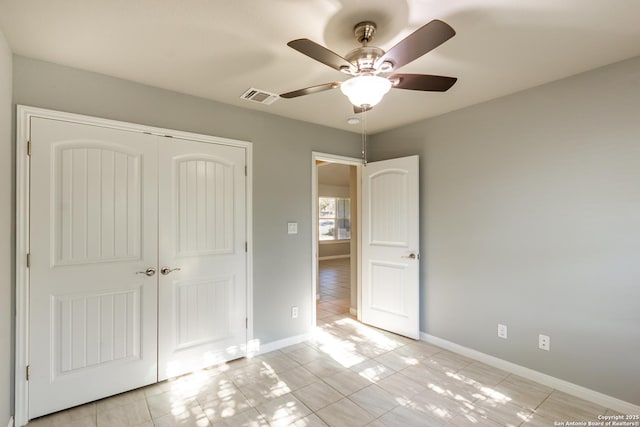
(365,64)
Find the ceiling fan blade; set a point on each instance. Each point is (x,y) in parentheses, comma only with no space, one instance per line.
(416,44)
(310,90)
(320,53)
(424,82)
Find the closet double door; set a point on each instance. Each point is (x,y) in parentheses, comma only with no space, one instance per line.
(138,266)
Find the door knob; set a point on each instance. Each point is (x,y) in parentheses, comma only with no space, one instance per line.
(410,256)
(148,272)
(166,270)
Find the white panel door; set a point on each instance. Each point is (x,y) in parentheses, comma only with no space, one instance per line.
(93,320)
(202,221)
(390,245)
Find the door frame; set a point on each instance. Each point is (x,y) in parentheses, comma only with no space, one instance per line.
(23,122)
(349,161)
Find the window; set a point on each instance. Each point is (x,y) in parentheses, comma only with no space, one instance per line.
(334,218)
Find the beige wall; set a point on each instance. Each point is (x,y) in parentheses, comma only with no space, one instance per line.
(530,216)
(333,249)
(333,190)
(7,226)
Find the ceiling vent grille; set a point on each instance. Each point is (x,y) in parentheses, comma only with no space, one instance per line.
(259,96)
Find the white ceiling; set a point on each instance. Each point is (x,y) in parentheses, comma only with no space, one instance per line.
(217,49)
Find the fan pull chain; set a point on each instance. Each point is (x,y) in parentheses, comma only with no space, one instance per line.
(364,134)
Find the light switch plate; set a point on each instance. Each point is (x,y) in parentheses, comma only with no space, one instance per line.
(292,227)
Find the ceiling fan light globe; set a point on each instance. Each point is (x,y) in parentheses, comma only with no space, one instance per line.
(365,90)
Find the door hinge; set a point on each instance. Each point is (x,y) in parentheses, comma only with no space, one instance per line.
(246,323)
(28,372)
(246,246)
(28,260)
(29,148)
(245,171)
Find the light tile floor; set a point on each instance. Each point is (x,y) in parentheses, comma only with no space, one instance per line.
(346,375)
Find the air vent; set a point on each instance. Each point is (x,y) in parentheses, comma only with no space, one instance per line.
(259,96)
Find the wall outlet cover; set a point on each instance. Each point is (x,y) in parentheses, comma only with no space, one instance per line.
(544,342)
(502,331)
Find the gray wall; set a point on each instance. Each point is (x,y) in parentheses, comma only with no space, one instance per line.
(282,170)
(530,216)
(7,226)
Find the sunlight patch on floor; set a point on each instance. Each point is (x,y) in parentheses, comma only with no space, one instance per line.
(369,334)
(341,351)
(495,395)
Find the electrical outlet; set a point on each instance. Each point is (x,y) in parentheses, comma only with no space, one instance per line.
(544,342)
(294,312)
(502,331)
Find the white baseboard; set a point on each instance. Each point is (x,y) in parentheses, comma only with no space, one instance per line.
(324,258)
(10,422)
(556,383)
(277,345)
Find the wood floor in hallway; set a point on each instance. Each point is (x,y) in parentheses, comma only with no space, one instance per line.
(333,287)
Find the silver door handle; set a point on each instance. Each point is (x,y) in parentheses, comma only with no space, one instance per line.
(166,270)
(148,272)
(410,256)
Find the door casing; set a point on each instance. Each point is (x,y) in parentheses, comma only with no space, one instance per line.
(23,119)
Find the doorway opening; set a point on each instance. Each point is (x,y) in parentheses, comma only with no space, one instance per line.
(384,242)
(335,237)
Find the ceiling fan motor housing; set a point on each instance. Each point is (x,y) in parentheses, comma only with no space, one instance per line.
(365,58)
